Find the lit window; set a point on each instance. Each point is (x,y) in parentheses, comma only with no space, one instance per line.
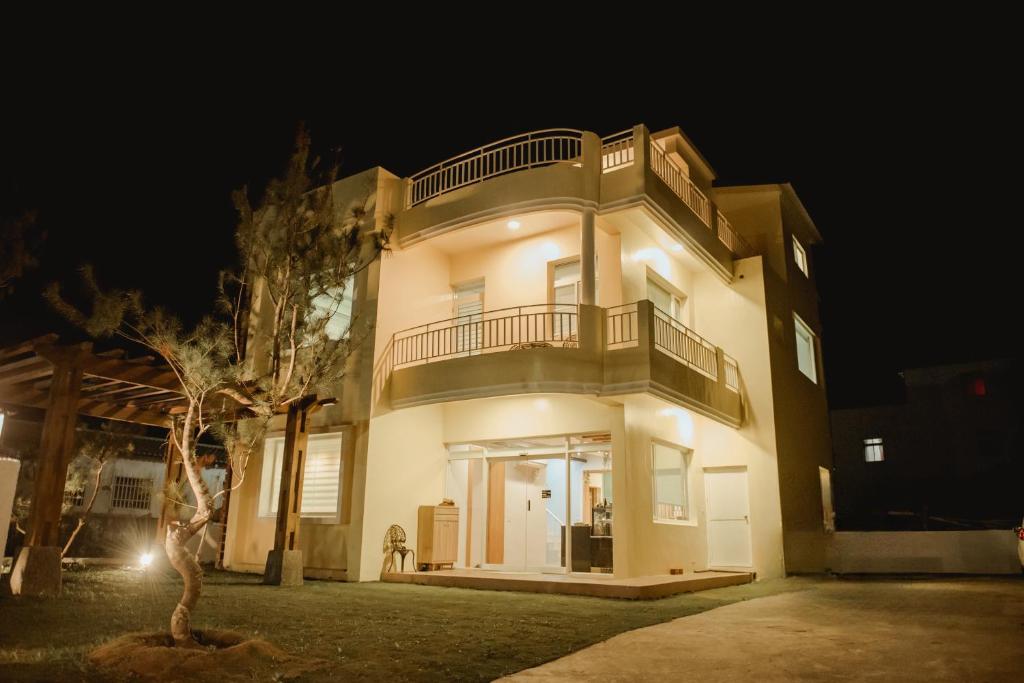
(336,306)
(671,502)
(800,256)
(321,482)
(805,349)
(873,450)
(131,493)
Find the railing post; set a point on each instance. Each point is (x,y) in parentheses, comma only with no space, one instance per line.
(408,192)
(645,324)
(720,365)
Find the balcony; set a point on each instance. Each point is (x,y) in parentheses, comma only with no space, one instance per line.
(565,168)
(553,348)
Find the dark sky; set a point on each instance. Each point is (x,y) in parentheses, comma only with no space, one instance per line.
(896,161)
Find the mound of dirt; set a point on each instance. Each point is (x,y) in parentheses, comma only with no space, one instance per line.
(224,656)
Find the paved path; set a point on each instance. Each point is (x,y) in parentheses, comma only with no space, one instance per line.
(879,630)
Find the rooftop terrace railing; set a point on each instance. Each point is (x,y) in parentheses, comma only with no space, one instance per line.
(680,184)
(530,150)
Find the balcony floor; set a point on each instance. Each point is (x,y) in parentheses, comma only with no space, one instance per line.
(597,585)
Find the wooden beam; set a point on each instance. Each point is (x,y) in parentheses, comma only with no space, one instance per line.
(31,368)
(26,346)
(123,413)
(55,451)
(157,377)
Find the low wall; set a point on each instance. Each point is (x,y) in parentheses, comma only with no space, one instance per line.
(929,552)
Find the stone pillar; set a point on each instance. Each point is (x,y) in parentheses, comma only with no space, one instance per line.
(284,562)
(37,570)
(588,258)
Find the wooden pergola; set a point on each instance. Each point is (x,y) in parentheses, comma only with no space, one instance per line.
(72,379)
(67,380)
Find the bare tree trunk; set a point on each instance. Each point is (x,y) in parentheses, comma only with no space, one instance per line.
(85,513)
(178,534)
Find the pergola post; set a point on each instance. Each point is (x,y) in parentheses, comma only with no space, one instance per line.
(37,570)
(284,562)
(174,471)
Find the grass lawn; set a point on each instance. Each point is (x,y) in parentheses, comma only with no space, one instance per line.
(365,631)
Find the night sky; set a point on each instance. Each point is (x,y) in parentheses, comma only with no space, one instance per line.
(896,163)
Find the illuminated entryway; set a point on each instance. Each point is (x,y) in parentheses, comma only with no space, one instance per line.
(521,497)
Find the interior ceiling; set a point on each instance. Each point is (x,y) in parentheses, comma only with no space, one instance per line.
(497,231)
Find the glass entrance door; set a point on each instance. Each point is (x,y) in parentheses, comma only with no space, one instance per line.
(532,509)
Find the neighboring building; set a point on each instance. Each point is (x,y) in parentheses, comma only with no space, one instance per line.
(947,458)
(576,331)
(124,516)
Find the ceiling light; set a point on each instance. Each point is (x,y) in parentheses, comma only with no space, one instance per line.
(514,225)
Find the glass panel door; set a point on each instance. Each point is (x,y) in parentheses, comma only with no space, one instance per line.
(468,314)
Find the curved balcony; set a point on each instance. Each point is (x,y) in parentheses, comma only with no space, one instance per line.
(565,169)
(552,348)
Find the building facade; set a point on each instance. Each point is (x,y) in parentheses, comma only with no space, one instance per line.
(947,458)
(605,362)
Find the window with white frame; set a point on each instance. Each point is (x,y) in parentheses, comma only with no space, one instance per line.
(131,493)
(336,306)
(321,483)
(874,451)
(800,256)
(669,474)
(805,356)
(668,302)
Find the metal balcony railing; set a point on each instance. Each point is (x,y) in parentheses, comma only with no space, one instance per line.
(501,330)
(685,345)
(680,184)
(530,150)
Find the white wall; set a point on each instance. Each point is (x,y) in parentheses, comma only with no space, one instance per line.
(931,552)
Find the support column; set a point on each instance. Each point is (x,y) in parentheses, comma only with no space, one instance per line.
(588,258)
(37,570)
(284,562)
(174,471)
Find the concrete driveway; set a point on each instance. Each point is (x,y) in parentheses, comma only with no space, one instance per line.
(871,629)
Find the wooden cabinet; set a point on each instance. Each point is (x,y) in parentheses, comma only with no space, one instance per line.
(437,536)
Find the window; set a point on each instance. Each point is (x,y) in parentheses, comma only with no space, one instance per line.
(805,349)
(800,256)
(321,482)
(873,450)
(668,470)
(336,306)
(74,497)
(131,493)
(671,304)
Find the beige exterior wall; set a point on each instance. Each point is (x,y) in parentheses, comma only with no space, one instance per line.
(396,459)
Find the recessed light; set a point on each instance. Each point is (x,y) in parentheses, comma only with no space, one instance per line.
(514,225)
(676,247)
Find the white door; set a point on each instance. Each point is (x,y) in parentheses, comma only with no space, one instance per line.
(728,518)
